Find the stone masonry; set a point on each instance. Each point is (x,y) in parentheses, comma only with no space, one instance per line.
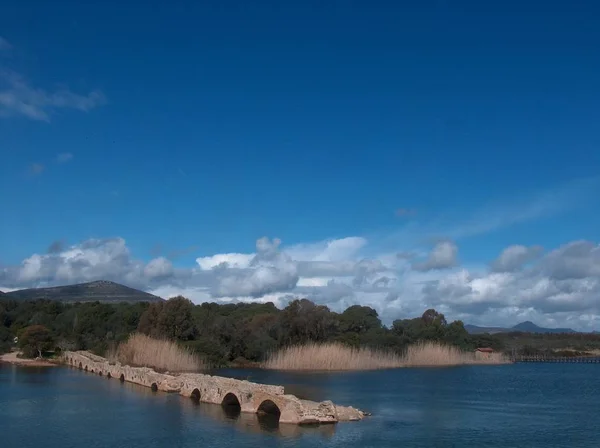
(251,397)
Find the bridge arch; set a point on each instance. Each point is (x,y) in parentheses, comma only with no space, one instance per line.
(268,409)
(154,387)
(231,400)
(80,366)
(231,406)
(196,395)
(122,378)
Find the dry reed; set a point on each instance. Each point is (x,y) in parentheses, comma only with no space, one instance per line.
(431,354)
(335,356)
(159,354)
(330,356)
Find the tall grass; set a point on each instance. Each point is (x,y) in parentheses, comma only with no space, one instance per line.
(330,356)
(159,354)
(431,354)
(335,356)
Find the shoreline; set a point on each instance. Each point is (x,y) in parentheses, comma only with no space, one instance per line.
(11,358)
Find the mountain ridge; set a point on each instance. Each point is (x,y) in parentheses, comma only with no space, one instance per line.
(100,290)
(524,327)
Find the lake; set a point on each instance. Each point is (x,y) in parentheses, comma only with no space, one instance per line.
(521,405)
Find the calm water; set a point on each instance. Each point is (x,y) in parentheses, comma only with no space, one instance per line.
(524,406)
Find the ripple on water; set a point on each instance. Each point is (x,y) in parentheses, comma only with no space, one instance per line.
(529,406)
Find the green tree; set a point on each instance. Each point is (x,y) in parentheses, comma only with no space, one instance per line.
(456,334)
(359,319)
(172,319)
(432,317)
(303,321)
(6,339)
(35,340)
(176,321)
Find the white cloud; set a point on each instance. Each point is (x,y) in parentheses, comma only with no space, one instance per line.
(313,281)
(195,294)
(18,98)
(514,257)
(31,269)
(328,251)
(560,288)
(269,271)
(158,268)
(443,256)
(232,260)
(575,260)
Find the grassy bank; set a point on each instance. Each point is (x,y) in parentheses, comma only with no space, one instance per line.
(334,356)
(159,354)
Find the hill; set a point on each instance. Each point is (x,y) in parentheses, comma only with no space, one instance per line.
(524,327)
(530,327)
(474,329)
(102,291)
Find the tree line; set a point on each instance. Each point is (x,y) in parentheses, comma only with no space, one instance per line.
(222,333)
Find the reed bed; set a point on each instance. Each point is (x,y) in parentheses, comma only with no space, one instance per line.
(330,356)
(159,354)
(431,354)
(335,356)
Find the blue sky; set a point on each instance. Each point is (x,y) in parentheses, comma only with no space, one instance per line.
(192,129)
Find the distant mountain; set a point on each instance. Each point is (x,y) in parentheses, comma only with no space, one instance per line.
(474,329)
(530,327)
(525,327)
(102,291)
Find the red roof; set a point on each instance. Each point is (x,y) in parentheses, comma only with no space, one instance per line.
(485,350)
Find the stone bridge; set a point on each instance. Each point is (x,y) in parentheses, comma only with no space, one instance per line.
(228,392)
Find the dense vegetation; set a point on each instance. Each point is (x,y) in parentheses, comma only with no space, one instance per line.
(244,332)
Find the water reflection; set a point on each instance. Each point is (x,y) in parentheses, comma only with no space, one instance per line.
(228,413)
(537,406)
(255,423)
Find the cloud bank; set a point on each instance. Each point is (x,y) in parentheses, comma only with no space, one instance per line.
(558,288)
